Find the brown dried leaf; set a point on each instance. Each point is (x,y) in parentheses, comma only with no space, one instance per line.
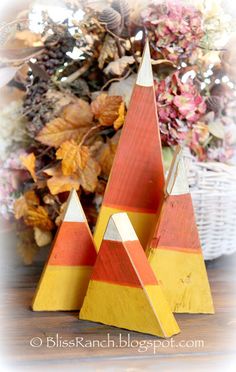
(59,183)
(78,113)
(73,156)
(123,88)
(38,217)
(58,131)
(22,204)
(74,122)
(119,66)
(19,55)
(31,198)
(107,154)
(29,163)
(38,71)
(88,177)
(108,51)
(60,100)
(59,218)
(106,108)
(20,208)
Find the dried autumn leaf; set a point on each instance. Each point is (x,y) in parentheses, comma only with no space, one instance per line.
(19,55)
(22,204)
(78,113)
(38,217)
(73,156)
(88,177)
(42,237)
(108,51)
(123,88)
(119,66)
(20,208)
(58,131)
(60,100)
(121,117)
(59,183)
(74,122)
(29,163)
(59,218)
(106,108)
(31,198)
(107,154)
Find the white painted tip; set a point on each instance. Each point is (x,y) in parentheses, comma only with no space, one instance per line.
(145,76)
(177,181)
(120,229)
(74,210)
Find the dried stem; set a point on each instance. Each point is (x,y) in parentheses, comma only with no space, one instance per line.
(116,79)
(91,130)
(77,73)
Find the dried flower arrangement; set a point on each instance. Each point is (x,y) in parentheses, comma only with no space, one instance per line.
(76,77)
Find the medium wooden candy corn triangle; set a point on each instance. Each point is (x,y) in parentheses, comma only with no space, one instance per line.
(175,251)
(136,182)
(123,290)
(66,275)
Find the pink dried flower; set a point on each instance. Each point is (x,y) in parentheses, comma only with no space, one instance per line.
(8,192)
(175,28)
(179,107)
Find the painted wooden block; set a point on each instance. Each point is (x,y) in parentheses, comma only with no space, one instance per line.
(123,290)
(66,275)
(136,182)
(175,251)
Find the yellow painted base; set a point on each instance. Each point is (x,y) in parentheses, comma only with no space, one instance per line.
(143,224)
(143,310)
(61,288)
(184,280)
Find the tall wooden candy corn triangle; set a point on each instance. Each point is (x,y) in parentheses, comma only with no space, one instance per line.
(66,275)
(175,251)
(123,290)
(136,182)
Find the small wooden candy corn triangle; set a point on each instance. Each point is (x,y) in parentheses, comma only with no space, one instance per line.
(175,251)
(66,275)
(136,182)
(123,290)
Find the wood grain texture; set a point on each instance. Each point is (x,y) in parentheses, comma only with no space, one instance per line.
(73,246)
(136,182)
(113,265)
(175,251)
(137,177)
(66,274)
(20,325)
(139,220)
(177,181)
(123,290)
(176,227)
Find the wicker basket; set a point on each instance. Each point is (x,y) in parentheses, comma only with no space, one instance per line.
(213,190)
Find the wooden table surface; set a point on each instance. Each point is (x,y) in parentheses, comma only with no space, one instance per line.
(206,342)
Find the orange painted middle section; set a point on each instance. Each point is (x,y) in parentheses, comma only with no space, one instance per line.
(176,228)
(123,263)
(137,178)
(73,246)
